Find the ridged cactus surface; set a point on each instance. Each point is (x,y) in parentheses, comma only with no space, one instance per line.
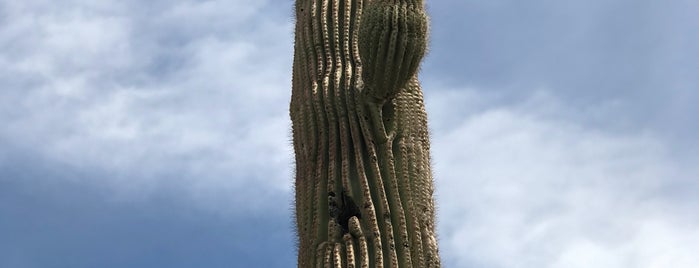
(364,189)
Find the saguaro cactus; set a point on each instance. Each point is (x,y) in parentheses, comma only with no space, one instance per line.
(363,180)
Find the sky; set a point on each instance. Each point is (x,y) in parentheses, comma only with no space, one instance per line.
(156,133)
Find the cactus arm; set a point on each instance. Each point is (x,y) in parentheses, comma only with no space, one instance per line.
(363,180)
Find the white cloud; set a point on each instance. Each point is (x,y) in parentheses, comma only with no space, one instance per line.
(187,94)
(517,188)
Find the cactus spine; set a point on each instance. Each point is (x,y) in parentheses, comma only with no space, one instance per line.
(363,179)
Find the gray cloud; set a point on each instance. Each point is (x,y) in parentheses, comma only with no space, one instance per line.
(63,223)
(637,56)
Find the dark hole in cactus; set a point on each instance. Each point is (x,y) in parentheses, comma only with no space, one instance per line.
(349,210)
(342,209)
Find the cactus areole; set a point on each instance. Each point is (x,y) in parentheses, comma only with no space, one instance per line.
(364,188)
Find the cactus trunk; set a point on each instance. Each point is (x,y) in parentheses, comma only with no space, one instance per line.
(363,179)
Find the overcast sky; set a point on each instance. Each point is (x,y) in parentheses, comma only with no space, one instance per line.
(156,133)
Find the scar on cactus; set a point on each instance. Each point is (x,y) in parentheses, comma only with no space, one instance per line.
(342,209)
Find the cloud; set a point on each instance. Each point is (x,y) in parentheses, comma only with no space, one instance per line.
(637,54)
(188,93)
(64,224)
(518,188)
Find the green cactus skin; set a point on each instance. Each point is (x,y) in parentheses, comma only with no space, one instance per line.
(364,188)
